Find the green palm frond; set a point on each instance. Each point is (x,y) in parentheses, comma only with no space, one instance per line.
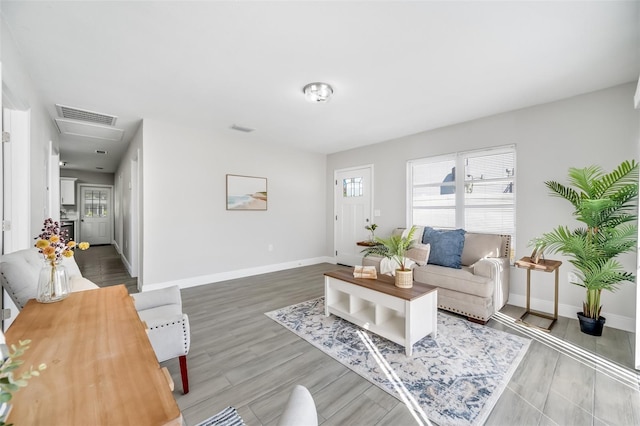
(606,204)
(395,247)
(564,192)
(624,175)
(584,179)
(601,275)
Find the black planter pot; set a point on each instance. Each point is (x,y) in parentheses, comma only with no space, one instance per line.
(591,326)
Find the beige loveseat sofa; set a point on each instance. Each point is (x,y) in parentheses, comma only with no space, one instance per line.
(479,288)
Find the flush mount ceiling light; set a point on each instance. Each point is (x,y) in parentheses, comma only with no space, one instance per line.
(317,92)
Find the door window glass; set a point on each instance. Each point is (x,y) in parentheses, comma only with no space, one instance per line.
(95,204)
(352,187)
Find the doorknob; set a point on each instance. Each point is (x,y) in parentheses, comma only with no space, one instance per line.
(366,220)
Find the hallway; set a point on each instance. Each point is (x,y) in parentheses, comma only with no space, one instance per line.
(103,266)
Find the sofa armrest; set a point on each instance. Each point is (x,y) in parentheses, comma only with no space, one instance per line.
(497,269)
(372,261)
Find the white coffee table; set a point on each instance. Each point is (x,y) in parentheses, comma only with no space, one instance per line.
(402,315)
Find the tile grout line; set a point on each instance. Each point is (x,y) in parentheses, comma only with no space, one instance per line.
(617,372)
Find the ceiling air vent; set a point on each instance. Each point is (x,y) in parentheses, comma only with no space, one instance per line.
(88,130)
(242,129)
(88,116)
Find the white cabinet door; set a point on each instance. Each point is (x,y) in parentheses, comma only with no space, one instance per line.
(67,191)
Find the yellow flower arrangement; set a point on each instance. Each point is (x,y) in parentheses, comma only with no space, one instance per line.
(53,244)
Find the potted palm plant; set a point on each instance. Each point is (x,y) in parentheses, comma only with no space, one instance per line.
(395,248)
(605,204)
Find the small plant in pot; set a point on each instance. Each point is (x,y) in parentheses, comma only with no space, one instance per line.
(395,248)
(372,228)
(605,203)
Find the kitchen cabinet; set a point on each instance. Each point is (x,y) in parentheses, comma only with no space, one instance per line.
(67,191)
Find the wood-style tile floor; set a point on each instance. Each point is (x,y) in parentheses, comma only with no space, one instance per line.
(240,357)
(103,266)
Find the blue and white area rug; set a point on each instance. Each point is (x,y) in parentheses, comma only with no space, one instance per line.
(455,379)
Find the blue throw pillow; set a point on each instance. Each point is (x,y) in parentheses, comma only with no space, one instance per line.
(446,246)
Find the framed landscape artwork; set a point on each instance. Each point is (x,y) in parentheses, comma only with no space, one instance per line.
(246,193)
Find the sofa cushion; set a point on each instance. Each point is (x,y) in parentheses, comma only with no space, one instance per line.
(479,246)
(446,246)
(461,280)
(419,253)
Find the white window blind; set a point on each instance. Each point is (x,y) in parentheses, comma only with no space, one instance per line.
(472,190)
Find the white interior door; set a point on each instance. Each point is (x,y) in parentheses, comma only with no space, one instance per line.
(95,214)
(17,178)
(353,201)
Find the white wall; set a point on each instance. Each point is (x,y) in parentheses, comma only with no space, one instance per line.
(83,176)
(597,128)
(122,198)
(189,236)
(15,78)
(18,88)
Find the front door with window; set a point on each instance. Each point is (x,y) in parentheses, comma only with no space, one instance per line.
(95,214)
(353,207)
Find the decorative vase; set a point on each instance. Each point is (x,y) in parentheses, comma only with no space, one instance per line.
(591,326)
(404,279)
(53,283)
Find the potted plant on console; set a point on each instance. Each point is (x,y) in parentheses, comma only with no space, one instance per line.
(605,203)
(395,248)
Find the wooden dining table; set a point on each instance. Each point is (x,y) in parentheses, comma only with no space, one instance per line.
(100,366)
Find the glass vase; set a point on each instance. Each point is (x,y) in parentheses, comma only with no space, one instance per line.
(53,283)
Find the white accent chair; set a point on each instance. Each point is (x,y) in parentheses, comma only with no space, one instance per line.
(19,272)
(300,409)
(168,327)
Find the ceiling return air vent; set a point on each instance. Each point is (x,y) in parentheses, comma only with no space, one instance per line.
(88,124)
(83,115)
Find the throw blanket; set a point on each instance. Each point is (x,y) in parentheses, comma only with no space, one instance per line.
(389,266)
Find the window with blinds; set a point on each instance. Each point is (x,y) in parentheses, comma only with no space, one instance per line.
(472,190)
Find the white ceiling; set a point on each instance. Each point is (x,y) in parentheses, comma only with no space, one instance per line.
(397,68)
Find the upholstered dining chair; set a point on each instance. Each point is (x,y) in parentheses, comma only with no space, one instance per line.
(168,326)
(300,409)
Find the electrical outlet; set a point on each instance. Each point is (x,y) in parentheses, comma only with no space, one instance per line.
(270,247)
(572,277)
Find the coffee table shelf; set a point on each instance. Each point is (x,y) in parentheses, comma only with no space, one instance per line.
(403,316)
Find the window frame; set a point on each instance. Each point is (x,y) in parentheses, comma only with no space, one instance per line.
(459,159)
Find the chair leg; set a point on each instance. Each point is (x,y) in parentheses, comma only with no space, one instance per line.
(184,373)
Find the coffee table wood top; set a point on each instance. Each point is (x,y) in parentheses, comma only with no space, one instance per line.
(384,284)
(101,368)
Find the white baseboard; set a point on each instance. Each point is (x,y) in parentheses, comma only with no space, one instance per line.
(126,264)
(569,311)
(241,273)
(117,247)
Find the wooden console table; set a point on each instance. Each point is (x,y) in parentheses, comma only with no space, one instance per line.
(544,265)
(101,368)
